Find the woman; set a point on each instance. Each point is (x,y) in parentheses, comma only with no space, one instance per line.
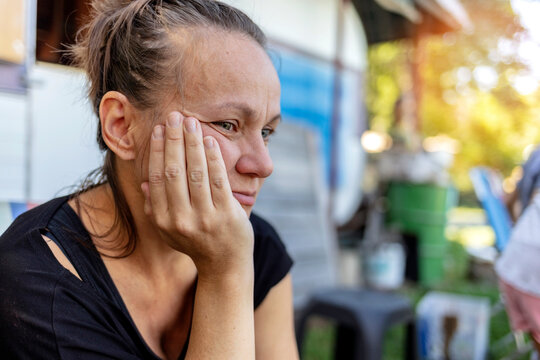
(158,258)
(518,266)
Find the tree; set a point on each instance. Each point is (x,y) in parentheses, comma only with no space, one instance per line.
(467,89)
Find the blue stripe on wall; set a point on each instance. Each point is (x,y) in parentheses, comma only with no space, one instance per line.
(307,96)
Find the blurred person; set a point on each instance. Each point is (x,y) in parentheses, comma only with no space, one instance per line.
(518,268)
(158,254)
(406,159)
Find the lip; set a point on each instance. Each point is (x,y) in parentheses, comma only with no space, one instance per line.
(245,198)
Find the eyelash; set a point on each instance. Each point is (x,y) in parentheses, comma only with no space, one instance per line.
(269,134)
(221,123)
(232,126)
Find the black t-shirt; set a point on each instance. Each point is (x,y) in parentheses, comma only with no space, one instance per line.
(48,313)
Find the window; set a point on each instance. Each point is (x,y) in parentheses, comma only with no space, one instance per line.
(57,24)
(12,45)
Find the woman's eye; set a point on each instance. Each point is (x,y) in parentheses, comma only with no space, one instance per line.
(266,133)
(225,125)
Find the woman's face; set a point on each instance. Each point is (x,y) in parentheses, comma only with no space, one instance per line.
(234,91)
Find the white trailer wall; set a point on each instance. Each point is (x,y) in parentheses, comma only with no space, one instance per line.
(47,135)
(63,131)
(12,146)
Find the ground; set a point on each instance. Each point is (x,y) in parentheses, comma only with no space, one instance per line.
(465,274)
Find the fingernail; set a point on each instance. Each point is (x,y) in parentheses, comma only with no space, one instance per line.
(208,142)
(191,124)
(158,132)
(173,120)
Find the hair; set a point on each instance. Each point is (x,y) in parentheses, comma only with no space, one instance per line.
(131,47)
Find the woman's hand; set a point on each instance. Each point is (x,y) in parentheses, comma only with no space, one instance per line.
(189,198)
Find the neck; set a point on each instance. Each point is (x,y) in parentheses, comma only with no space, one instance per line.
(98,212)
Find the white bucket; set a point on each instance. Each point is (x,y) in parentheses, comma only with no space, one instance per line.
(384,265)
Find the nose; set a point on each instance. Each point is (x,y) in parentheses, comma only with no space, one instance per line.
(255,159)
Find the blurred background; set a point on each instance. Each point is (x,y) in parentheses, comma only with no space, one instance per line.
(387,107)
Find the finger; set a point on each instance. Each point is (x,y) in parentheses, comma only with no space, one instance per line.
(156,178)
(217,173)
(197,170)
(146,192)
(176,185)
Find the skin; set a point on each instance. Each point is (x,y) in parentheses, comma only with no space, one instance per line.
(191,192)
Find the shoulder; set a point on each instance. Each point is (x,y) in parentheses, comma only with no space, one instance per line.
(27,285)
(271,259)
(21,245)
(266,237)
(43,304)
(35,218)
(26,275)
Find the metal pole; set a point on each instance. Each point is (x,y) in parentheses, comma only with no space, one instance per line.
(336,110)
(30,60)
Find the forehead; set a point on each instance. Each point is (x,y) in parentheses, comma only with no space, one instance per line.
(229,67)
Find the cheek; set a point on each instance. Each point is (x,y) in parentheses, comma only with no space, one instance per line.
(228,152)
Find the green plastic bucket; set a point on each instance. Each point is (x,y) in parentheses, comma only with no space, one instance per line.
(420,209)
(431,267)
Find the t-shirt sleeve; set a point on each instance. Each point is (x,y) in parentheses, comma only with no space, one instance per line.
(271,260)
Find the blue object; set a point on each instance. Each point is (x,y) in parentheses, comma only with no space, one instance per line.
(487,187)
(17,208)
(307,96)
(530,181)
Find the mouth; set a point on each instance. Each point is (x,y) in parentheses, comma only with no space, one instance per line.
(245,198)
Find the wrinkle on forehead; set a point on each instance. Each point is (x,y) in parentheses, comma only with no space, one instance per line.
(212,66)
(228,64)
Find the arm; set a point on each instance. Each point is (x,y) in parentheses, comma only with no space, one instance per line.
(222,325)
(189,198)
(274,324)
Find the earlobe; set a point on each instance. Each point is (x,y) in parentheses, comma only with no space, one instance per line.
(116,115)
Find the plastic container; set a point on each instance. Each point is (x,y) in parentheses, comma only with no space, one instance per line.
(420,210)
(384,265)
(452,326)
(431,266)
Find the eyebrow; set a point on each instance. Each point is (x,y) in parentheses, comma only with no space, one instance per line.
(246,110)
(275,118)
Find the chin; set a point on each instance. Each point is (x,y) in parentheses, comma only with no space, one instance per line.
(247,209)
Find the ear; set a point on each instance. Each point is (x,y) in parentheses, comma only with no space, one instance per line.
(116,117)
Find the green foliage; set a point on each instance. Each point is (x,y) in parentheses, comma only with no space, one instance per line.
(388,66)
(493,123)
(319,342)
(456,261)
